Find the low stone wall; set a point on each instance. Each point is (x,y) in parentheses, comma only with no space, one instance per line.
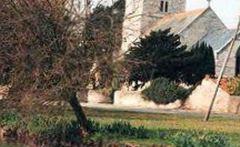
(95,97)
(234,105)
(201,98)
(135,99)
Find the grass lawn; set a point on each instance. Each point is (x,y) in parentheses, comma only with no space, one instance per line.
(164,125)
(229,125)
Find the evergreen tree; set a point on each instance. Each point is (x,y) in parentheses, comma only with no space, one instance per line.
(199,63)
(161,55)
(152,56)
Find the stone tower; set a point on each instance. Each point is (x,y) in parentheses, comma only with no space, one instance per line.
(141,14)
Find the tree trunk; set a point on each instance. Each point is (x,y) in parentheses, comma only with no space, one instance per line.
(81,117)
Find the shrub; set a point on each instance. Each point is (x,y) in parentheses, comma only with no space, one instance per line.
(126,129)
(122,128)
(193,139)
(233,86)
(163,91)
(9,119)
(54,128)
(182,140)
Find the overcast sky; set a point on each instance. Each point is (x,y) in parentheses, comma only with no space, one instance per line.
(227,10)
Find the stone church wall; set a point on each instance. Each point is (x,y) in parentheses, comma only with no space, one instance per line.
(201,27)
(151,11)
(230,70)
(132,23)
(201,97)
(141,14)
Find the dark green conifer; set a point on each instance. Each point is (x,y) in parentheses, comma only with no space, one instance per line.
(161,55)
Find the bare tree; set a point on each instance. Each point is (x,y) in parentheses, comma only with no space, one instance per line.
(43,51)
(105,32)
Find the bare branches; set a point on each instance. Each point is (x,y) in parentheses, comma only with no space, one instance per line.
(43,52)
(41,37)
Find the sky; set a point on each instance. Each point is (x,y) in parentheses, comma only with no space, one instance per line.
(227,10)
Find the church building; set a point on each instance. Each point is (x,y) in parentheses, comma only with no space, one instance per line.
(201,25)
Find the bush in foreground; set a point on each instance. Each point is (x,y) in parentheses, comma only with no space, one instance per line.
(232,85)
(163,91)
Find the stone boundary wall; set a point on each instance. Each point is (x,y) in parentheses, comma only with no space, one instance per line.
(201,98)
(95,97)
(198,101)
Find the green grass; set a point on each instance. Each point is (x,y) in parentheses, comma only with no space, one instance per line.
(225,125)
(229,125)
(169,124)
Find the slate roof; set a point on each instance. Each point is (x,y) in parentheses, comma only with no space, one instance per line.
(177,22)
(180,21)
(218,39)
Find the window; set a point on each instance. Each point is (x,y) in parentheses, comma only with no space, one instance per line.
(166,7)
(161,6)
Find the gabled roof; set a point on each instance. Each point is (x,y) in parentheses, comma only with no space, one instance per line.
(177,22)
(218,39)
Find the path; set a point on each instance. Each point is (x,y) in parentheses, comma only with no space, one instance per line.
(111,107)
